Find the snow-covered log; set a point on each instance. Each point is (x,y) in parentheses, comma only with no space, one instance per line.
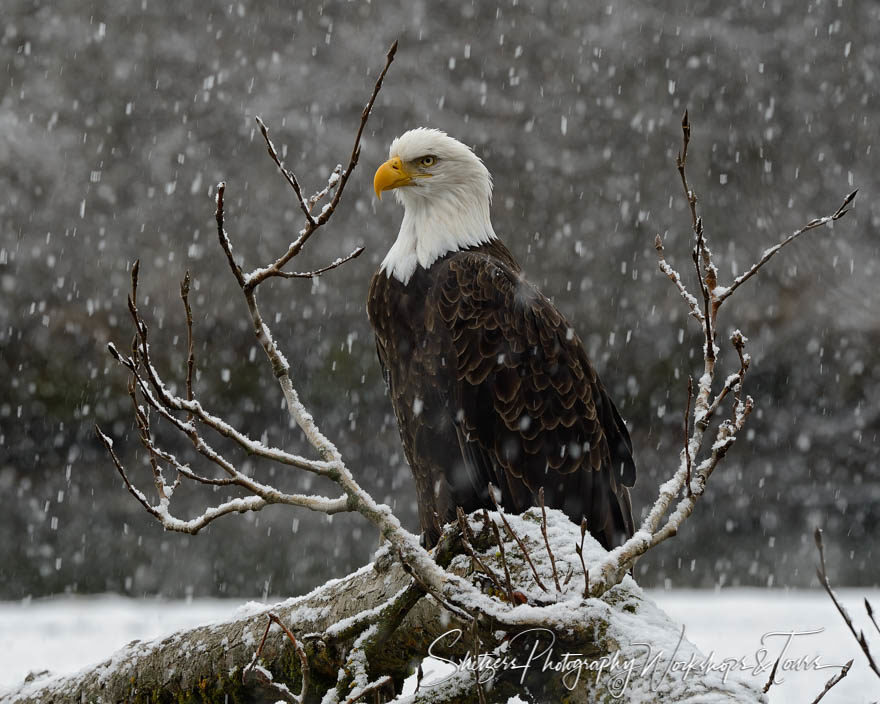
(618,647)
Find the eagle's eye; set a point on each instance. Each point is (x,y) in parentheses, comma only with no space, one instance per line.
(428,160)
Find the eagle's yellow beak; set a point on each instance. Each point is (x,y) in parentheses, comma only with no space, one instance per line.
(392,174)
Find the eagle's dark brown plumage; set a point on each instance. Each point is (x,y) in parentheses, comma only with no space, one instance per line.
(489,382)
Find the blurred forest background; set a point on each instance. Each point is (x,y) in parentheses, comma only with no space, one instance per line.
(117,117)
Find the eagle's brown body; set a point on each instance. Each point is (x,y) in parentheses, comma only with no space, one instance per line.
(490,384)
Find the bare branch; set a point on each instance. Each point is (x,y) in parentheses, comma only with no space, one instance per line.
(687,450)
(693,473)
(699,254)
(675,277)
(356,149)
(481,695)
(500,544)
(833,681)
(190,351)
(133,490)
(518,540)
(254,502)
(288,175)
(164,402)
(331,184)
(312,223)
(303,660)
(772,679)
(770,252)
(579,549)
(823,579)
(871,614)
(257,653)
(680,162)
(225,244)
(317,272)
(546,540)
(467,542)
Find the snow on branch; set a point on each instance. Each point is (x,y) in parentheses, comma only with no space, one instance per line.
(689,481)
(337,181)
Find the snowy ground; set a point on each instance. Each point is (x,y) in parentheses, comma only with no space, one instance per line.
(66,634)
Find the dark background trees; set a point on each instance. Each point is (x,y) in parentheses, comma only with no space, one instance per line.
(118,118)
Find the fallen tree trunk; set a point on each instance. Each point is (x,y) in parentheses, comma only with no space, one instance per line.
(620,647)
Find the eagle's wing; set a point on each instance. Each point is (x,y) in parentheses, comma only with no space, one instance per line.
(528,406)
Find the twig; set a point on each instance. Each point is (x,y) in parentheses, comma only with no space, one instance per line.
(288,175)
(257,653)
(261,496)
(823,578)
(516,538)
(676,279)
(481,695)
(708,317)
(303,660)
(317,272)
(133,490)
(833,681)
(579,549)
(190,351)
(681,161)
(331,184)
(356,149)
(163,401)
(313,223)
(770,252)
(267,676)
(771,681)
(547,540)
(692,473)
(700,251)
(687,449)
(466,540)
(225,244)
(871,614)
(142,420)
(500,544)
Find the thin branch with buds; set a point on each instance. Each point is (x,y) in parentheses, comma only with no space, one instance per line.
(772,679)
(503,555)
(337,180)
(844,671)
(693,474)
(687,449)
(190,350)
(823,579)
(467,538)
(511,533)
(267,677)
(772,251)
(579,549)
(546,539)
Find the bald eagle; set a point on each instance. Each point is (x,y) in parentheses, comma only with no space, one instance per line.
(489,382)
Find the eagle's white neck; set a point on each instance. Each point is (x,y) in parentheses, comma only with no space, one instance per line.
(431,227)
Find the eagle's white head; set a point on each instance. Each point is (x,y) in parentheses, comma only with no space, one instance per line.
(445,190)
